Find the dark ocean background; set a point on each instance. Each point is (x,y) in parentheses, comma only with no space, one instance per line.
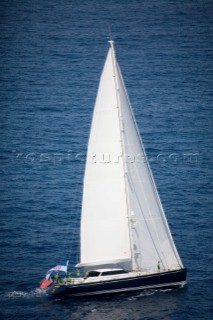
(51,56)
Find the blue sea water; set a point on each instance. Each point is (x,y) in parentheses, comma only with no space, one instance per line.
(51,56)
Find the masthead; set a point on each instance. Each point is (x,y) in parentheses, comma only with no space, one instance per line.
(111,42)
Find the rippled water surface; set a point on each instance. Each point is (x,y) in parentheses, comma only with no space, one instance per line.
(51,57)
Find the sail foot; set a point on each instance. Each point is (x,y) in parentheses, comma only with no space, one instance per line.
(121,263)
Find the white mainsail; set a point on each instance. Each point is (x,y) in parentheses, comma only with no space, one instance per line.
(122,219)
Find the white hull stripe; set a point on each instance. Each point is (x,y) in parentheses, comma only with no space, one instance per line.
(181,283)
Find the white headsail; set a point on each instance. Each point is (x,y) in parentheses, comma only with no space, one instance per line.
(122,217)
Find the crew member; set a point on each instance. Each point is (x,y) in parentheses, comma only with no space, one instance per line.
(158,265)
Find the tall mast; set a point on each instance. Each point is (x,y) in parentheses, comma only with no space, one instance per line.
(114,61)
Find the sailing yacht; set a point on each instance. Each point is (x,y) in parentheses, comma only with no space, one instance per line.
(126,244)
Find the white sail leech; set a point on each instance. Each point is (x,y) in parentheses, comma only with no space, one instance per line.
(122,218)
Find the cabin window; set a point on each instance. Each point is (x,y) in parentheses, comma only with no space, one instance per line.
(114,272)
(93,274)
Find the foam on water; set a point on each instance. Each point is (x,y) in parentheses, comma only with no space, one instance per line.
(25,294)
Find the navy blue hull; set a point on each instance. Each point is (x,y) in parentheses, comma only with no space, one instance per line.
(170,279)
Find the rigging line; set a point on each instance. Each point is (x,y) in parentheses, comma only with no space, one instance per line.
(161,210)
(148,227)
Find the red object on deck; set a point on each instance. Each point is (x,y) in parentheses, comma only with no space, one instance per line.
(45,283)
